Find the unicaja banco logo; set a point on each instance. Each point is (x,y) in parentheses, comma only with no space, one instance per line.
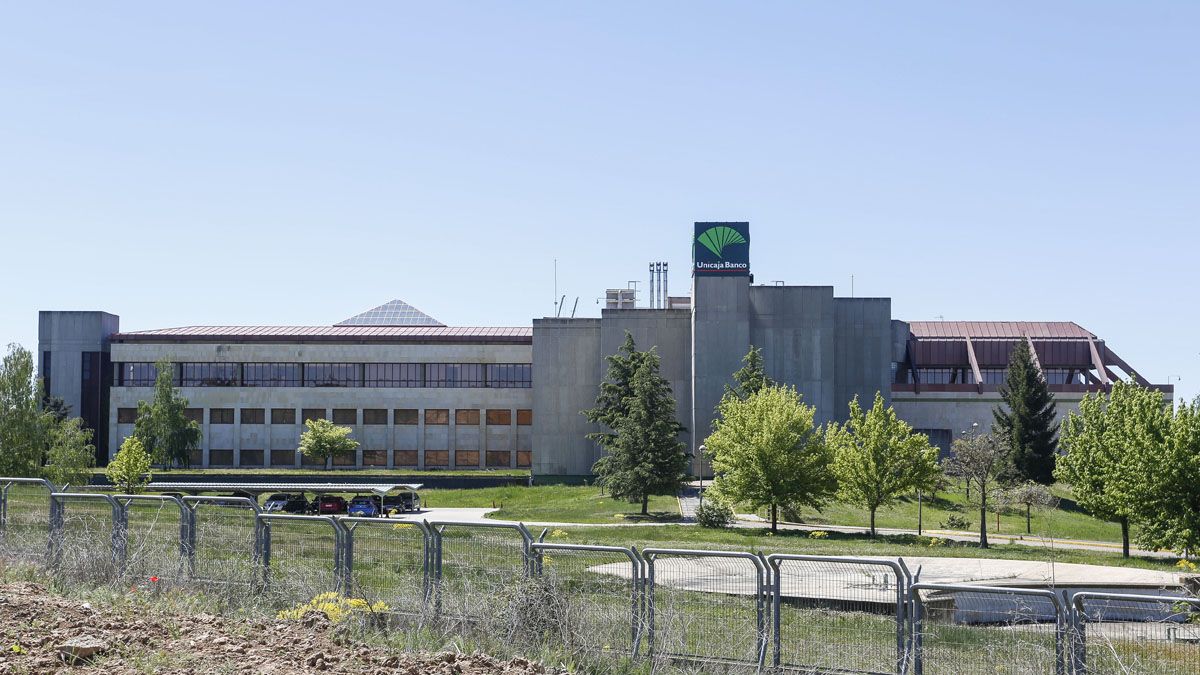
(721,249)
(717,238)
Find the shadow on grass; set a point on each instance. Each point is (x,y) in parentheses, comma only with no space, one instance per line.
(652,517)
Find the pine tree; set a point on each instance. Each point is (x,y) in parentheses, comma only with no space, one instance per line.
(1028,422)
(751,377)
(645,456)
(612,403)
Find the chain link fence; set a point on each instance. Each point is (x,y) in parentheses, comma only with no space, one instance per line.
(732,611)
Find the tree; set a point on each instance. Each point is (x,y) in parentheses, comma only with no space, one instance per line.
(1166,499)
(751,377)
(323,440)
(767,452)
(162,426)
(1109,442)
(22,428)
(70,455)
(130,469)
(1029,495)
(646,456)
(981,460)
(1028,422)
(615,391)
(55,406)
(877,458)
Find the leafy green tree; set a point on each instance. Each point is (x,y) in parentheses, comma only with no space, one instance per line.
(1028,496)
(1027,418)
(162,426)
(22,428)
(1109,442)
(646,458)
(56,407)
(751,377)
(877,458)
(615,391)
(981,460)
(70,455)
(323,440)
(130,469)
(767,452)
(1166,499)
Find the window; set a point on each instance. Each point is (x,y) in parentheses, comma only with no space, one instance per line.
(126,415)
(407,416)
(375,416)
(345,416)
(524,418)
(208,374)
(220,416)
(137,375)
(222,457)
(454,375)
(437,416)
(283,416)
(46,363)
(252,416)
(271,375)
(333,374)
(509,375)
(499,417)
(394,375)
(194,414)
(312,414)
(467,417)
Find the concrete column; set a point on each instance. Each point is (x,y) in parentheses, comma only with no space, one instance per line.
(237,436)
(299,425)
(512,438)
(390,445)
(420,438)
(204,443)
(360,431)
(483,440)
(452,437)
(267,439)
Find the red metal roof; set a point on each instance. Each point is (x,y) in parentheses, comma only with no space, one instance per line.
(983,330)
(332,333)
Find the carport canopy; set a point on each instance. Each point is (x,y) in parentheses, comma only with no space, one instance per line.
(380,489)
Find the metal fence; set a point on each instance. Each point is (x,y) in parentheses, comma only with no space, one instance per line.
(716,610)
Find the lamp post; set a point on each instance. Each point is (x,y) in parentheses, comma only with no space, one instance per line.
(702,450)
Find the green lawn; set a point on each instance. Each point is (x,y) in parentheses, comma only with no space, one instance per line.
(333,473)
(554,503)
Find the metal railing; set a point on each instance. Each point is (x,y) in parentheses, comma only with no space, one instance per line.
(718,609)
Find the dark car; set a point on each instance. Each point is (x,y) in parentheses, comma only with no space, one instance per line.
(330,504)
(286,502)
(363,506)
(401,503)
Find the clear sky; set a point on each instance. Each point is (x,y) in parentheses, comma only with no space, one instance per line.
(296,163)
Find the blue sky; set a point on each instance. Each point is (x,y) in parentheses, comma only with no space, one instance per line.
(297,163)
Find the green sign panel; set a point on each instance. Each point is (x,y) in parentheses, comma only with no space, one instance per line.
(721,249)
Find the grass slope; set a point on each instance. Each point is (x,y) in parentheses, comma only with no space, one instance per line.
(553,503)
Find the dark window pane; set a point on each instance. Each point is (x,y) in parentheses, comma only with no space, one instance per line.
(137,374)
(271,374)
(345,416)
(407,416)
(252,415)
(393,375)
(126,415)
(312,414)
(194,414)
(499,417)
(333,374)
(524,418)
(375,416)
(220,416)
(208,374)
(466,417)
(283,416)
(437,416)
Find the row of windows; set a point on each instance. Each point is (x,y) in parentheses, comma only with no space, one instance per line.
(434,458)
(349,416)
(990,376)
(434,375)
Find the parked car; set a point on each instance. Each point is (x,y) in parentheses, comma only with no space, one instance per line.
(402,503)
(364,506)
(278,502)
(330,505)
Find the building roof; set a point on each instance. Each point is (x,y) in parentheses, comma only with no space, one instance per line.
(392,313)
(983,330)
(317,488)
(469,334)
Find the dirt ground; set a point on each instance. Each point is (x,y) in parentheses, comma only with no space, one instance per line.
(35,624)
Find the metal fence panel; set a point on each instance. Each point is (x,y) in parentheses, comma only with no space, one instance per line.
(1137,634)
(387,560)
(479,571)
(706,606)
(155,531)
(832,613)
(224,542)
(87,542)
(965,629)
(303,556)
(25,519)
(590,595)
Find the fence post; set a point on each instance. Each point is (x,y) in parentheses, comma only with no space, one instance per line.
(639,599)
(55,542)
(264,527)
(346,576)
(120,536)
(4,507)
(648,594)
(918,614)
(776,608)
(1062,636)
(1078,637)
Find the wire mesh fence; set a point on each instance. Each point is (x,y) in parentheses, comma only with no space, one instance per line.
(388,560)
(479,572)
(706,606)
(302,555)
(833,614)
(155,534)
(591,595)
(24,519)
(1136,634)
(85,542)
(965,629)
(225,543)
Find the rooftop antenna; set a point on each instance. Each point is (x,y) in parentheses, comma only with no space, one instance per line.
(558,306)
(653,297)
(556,287)
(575,307)
(852,285)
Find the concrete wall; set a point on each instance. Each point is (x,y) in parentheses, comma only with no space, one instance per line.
(720,338)
(67,335)
(796,330)
(669,332)
(955,412)
(863,352)
(567,370)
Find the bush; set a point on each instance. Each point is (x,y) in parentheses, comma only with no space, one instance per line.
(955,522)
(713,513)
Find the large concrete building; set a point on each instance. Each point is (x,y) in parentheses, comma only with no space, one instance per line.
(419,394)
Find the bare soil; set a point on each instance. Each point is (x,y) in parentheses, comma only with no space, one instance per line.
(36,624)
